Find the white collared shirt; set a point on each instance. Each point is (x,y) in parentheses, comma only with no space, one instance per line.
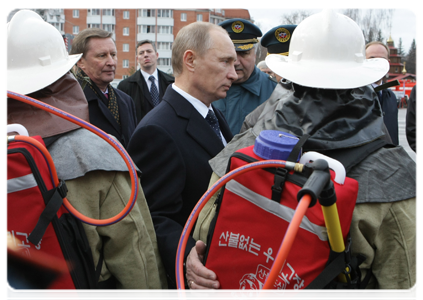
(198,105)
(146,76)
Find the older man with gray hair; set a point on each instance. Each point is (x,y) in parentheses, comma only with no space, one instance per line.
(252,87)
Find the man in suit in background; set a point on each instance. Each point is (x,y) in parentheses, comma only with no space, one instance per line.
(148,85)
(111,110)
(174,142)
(387,99)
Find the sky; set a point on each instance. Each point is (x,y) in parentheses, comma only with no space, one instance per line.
(403,21)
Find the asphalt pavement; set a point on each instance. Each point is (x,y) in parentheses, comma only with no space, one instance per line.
(401,128)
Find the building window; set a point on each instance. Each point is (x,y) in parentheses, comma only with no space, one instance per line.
(75,29)
(146,28)
(91,25)
(163,61)
(124,76)
(148,13)
(125,63)
(165,13)
(108,12)
(199,18)
(223,12)
(164,46)
(126,14)
(125,48)
(75,13)
(165,29)
(215,20)
(125,30)
(217,11)
(94,11)
(58,26)
(183,17)
(109,27)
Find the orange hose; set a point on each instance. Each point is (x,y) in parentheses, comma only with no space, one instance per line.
(287,242)
(102,134)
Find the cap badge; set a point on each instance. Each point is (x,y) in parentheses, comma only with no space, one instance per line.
(282,35)
(237,26)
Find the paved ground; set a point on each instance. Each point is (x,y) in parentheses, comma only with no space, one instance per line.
(401,128)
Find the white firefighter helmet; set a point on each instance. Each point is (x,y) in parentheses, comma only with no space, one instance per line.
(36,53)
(327,50)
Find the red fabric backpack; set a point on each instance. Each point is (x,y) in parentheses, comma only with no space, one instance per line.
(38,223)
(250,223)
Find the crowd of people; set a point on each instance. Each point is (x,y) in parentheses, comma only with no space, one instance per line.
(180,130)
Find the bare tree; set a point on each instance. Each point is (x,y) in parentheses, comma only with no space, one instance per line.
(354,14)
(375,23)
(295,18)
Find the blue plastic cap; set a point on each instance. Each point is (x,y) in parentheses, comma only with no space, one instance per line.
(274,144)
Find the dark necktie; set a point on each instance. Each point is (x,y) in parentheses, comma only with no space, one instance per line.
(153,91)
(213,122)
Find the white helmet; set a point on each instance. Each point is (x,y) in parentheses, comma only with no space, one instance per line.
(36,53)
(327,50)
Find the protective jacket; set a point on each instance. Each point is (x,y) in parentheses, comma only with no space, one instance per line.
(99,187)
(383,225)
(241,99)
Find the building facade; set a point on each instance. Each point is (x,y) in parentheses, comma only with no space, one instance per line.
(129,26)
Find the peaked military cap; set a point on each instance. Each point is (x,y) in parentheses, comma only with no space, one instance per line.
(243,33)
(277,39)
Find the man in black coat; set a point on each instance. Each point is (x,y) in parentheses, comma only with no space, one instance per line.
(410,120)
(111,110)
(387,99)
(174,142)
(139,84)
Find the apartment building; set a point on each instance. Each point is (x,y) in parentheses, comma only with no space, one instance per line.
(129,26)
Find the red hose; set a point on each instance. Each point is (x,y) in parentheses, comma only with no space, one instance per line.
(102,134)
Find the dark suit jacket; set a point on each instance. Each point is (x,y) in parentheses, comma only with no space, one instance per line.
(136,87)
(389,105)
(101,116)
(172,146)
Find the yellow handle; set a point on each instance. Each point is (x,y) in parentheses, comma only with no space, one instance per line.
(333,226)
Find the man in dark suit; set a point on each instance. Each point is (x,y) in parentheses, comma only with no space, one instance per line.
(174,142)
(139,85)
(387,98)
(111,110)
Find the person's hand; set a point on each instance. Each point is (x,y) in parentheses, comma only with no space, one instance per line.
(198,276)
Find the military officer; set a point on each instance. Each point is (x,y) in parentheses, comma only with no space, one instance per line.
(277,41)
(252,87)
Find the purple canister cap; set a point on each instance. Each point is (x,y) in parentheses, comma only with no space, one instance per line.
(274,144)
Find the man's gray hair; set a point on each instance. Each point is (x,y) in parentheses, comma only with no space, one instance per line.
(195,37)
(80,42)
(262,64)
